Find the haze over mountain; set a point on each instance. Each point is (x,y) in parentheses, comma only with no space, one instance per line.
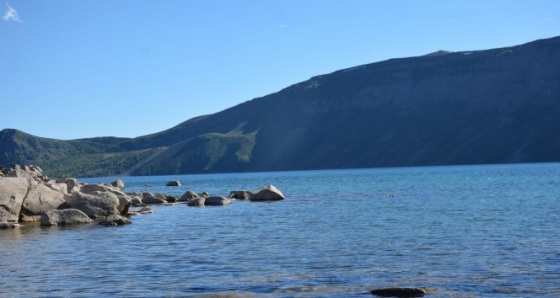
(489,106)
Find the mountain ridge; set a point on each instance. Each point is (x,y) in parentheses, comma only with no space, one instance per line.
(486,106)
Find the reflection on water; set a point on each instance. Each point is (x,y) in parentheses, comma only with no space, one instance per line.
(462,231)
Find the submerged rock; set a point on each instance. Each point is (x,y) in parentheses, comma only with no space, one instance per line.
(8,225)
(399,292)
(114,220)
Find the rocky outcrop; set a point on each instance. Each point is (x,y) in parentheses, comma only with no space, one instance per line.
(267,193)
(64,217)
(28,195)
(12,193)
(40,199)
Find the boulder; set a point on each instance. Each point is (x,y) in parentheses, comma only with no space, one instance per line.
(154,200)
(196,202)
(399,292)
(114,220)
(96,204)
(173,183)
(240,194)
(39,199)
(118,184)
(12,193)
(267,193)
(136,201)
(217,201)
(64,217)
(187,196)
(124,200)
(204,194)
(171,199)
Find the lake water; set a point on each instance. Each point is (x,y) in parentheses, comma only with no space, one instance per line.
(464,231)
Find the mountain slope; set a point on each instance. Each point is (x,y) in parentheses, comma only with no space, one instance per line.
(492,106)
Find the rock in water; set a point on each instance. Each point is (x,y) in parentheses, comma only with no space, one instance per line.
(188,195)
(240,194)
(196,202)
(64,217)
(114,220)
(118,184)
(217,201)
(95,205)
(267,193)
(173,183)
(399,292)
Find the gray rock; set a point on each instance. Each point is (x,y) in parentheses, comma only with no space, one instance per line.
(39,200)
(171,199)
(173,183)
(96,204)
(187,196)
(12,193)
(204,194)
(399,292)
(267,193)
(114,220)
(91,188)
(60,187)
(240,194)
(153,200)
(125,201)
(136,201)
(64,217)
(118,184)
(146,210)
(196,202)
(217,201)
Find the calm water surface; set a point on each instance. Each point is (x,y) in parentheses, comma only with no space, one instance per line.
(470,231)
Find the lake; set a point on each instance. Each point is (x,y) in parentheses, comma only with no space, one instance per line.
(462,231)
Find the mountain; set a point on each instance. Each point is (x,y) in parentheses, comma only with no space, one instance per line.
(445,108)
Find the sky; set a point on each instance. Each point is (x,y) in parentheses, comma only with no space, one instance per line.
(79,69)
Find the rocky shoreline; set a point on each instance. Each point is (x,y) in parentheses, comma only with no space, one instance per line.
(27,195)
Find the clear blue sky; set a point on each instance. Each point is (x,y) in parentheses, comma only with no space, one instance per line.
(77,69)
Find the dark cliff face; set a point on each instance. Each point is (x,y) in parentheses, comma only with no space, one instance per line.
(491,106)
